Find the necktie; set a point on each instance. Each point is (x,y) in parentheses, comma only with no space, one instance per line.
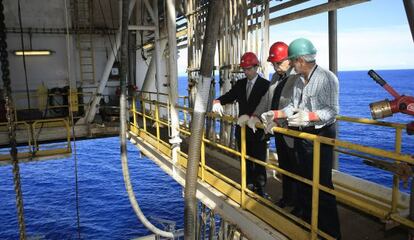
(278,92)
(248,89)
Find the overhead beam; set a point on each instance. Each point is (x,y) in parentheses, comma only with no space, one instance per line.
(141,27)
(326,7)
(285,5)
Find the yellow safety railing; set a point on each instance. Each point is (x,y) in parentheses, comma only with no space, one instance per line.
(34,150)
(72,97)
(248,200)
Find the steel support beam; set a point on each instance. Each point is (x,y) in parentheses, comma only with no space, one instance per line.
(175,139)
(330,6)
(141,28)
(333,56)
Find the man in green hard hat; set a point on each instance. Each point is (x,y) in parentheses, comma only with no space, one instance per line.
(312,109)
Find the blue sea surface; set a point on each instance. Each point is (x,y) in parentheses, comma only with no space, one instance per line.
(105,212)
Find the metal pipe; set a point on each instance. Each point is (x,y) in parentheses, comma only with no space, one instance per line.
(141,27)
(123,125)
(150,75)
(197,123)
(333,41)
(409,10)
(157,46)
(333,58)
(175,139)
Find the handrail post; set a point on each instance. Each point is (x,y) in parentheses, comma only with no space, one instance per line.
(315,188)
(185,113)
(144,119)
(243,167)
(396,178)
(203,157)
(68,134)
(157,124)
(134,112)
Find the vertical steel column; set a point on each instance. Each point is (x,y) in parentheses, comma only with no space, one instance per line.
(175,139)
(265,45)
(409,10)
(197,123)
(333,41)
(333,57)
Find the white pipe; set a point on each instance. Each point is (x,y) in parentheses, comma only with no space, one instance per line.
(175,139)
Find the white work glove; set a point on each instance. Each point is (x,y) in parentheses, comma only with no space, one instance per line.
(242,120)
(267,117)
(252,123)
(301,118)
(269,127)
(268,121)
(218,108)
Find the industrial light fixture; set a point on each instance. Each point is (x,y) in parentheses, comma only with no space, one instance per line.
(32,52)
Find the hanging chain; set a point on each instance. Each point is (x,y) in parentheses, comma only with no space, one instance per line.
(11,123)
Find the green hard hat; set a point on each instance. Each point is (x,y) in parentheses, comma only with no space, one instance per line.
(300,47)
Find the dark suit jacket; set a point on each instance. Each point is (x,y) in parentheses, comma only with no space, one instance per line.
(247,106)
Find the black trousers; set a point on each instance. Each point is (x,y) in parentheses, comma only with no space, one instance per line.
(256,174)
(328,220)
(288,162)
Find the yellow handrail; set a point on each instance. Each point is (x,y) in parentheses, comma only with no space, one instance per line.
(243,199)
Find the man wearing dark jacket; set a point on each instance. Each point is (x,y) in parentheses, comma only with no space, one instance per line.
(278,96)
(248,92)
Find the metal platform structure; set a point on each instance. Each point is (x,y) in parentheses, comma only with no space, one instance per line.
(81,89)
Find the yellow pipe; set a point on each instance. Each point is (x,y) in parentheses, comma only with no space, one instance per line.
(373,151)
(315,189)
(157,125)
(367,194)
(243,167)
(396,178)
(371,122)
(134,110)
(232,151)
(335,142)
(144,120)
(203,157)
(223,177)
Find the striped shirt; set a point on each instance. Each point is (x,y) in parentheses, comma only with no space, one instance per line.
(319,95)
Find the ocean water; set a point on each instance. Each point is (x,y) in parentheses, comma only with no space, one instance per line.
(105,212)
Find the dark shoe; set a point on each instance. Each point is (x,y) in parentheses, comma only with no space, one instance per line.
(259,191)
(297,212)
(267,196)
(281,203)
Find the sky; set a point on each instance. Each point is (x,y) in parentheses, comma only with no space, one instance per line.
(371,35)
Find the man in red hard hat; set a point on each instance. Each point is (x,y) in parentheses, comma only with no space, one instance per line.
(248,92)
(278,97)
(313,109)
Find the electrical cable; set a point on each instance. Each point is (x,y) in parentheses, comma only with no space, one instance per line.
(24,55)
(73,124)
(106,26)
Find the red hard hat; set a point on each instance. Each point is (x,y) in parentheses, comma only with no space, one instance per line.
(249,59)
(278,52)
